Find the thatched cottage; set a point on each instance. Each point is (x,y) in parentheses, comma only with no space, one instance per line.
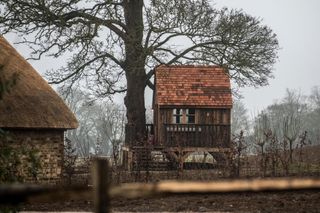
(33,113)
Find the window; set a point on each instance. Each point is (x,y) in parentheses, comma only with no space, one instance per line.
(177,115)
(184,116)
(191,116)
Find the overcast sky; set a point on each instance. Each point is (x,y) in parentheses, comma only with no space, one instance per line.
(297,24)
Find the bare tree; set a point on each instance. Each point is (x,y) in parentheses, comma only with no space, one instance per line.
(281,124)
(239,147)
(302,142)
(98,121)
(294,119)
(313,116)
(110,123)
(98,148)
(239,118)
(84,137)
(116,39)
(287,118)
(315,97)
(261,133)
(272,151)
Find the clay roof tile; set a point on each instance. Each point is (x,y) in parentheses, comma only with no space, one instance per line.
(193,86)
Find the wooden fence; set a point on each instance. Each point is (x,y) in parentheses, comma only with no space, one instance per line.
(101,191)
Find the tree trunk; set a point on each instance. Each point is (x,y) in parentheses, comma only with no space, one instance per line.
(291,150)
(134,101)
(135,73)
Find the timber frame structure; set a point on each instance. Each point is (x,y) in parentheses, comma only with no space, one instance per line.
(192,113)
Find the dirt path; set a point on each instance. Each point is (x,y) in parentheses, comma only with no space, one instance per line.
(299,201)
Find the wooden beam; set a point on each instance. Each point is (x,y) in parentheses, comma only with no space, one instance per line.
(174,187)
(19,193)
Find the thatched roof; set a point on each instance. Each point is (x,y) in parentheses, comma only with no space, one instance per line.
(31,102)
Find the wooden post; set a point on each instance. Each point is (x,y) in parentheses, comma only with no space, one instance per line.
(130,160)
(101,186)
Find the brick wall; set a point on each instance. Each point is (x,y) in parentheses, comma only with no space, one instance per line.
(47,146)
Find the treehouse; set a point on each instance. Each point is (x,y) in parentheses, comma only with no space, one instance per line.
(192,108)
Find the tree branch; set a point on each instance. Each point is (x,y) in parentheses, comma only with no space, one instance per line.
(188,50)
(150,85)
(79,69)
(148,82)
(111,24)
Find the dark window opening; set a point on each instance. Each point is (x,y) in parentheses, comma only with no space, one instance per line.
(191,119)
(191,116)
(181,116)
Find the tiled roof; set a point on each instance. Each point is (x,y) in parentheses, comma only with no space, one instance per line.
(203,86)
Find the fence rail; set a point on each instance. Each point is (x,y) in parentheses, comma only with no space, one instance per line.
(101,191)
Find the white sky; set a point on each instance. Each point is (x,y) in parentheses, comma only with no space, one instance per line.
(297,24)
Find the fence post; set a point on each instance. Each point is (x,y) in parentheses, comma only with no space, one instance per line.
(101,184)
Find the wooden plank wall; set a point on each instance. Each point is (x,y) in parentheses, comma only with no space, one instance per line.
(203,116)
(213,116)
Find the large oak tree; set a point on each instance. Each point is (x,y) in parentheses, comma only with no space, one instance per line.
(112,40)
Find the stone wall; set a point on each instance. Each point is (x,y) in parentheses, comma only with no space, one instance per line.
(47,147)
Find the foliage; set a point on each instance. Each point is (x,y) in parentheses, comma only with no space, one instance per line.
(9,165)
(9,208)
(17,164)
(34,164)
(9,157)
(69,160)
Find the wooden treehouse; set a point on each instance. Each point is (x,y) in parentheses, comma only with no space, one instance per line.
(192,108)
